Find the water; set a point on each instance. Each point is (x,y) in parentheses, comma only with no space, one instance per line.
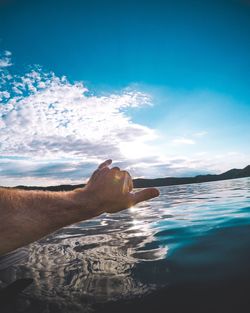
(185,251)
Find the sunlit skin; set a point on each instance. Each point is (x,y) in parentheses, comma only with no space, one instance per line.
(27,216)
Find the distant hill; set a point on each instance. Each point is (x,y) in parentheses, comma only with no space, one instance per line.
(157,182)
(231,174)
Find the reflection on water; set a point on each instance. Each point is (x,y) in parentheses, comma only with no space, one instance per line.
(180,236)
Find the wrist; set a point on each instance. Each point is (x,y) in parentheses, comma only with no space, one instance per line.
(85,203)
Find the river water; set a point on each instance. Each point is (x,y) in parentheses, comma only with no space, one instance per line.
(186,251)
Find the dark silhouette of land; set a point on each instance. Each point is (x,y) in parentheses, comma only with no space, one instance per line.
(157,182)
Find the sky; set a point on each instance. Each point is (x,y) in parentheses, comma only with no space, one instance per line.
(160,87)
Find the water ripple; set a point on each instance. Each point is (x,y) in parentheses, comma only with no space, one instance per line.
(184,235)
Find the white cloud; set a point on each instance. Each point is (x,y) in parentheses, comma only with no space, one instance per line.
(5,60)
(7,53)
(183,141)
(59,119)
(26,171)
(44,117)
(200,134)
(4,95)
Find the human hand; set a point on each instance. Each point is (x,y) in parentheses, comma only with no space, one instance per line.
(27,216)
(110,190)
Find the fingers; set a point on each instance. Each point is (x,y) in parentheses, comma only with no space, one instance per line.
(122,176)
(128,180)
(126,173)
(121,179)
(116,168)
(104,164)
(144,195)
(95,173)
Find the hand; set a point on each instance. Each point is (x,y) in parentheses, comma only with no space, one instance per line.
(110,190)
(27,216)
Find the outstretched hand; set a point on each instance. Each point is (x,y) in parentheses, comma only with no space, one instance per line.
(27,216)
(111,190)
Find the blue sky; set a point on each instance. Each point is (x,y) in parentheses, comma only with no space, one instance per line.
(162,87)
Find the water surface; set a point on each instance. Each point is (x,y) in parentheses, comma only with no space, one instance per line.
(192,241)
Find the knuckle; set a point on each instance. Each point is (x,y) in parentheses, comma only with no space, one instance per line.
(115,168)
(105,170)
(94,174)
(126,173)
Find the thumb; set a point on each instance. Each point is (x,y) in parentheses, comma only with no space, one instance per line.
(145,194)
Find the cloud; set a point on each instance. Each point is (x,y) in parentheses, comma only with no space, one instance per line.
(54,170)
(5,60)
(25,171)
(44,118)
(189,141)
(183,141)
(200,134)
(47,116)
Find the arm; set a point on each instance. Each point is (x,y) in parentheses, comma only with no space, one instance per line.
(26,216)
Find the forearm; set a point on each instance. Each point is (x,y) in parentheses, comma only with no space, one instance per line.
(26,216)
